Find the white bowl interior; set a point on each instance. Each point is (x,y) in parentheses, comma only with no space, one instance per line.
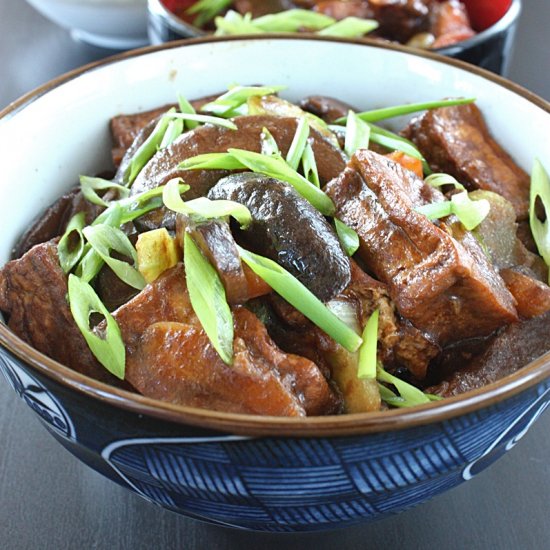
(64,132)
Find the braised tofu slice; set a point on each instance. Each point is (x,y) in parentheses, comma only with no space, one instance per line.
(444,287)
(169,357)
(513,348)
(456,140)
(33,293)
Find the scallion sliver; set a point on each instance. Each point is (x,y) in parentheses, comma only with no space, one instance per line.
(400,110)
(108,348)
(540,193)
(368,349)
(297,295)
(410,395)
(208,299)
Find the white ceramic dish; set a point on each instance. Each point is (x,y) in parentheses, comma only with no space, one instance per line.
(114,24)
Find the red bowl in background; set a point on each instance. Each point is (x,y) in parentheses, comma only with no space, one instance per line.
(494,21)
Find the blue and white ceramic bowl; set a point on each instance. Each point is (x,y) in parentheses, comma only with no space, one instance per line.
(258,473)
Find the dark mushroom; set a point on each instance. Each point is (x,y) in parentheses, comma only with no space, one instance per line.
(287,229)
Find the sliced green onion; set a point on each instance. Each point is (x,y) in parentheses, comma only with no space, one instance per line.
(212,161)
(400,110)
(368,349)
(540,189)
(292,21)
(204,208)
(118,213)
(349,239)
(440,180)
(237,96)
(298,144)
(309,165)
(89,186)
(393,141)
(276,167)
(147,149)
(436,210)
(206,10)
(390,140)
(295,293)
(203,119)
(186,107)
(470,213)
(208,299)
(91,261)
(410,396)
(357,134)
(269,145)
(235,23)
(108,349)
(350,27)
(103,239)
(174,131)
(68,250)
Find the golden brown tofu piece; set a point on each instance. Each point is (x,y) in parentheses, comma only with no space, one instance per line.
(532,296)
(169,357)
(444,287)
(33,293)
(456,140)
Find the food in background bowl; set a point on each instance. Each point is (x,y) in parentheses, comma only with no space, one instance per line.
(480,32)
(114,24)
(252,471)
(421,23)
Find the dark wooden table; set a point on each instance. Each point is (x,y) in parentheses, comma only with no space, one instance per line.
(49,500)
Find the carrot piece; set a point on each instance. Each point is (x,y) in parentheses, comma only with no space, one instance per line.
(410,163)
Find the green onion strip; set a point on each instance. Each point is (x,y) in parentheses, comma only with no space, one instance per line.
(309,165)
(206,10)
(226,104)
(89,187)
(350,27)
(203,207)
(208,299)
(357,134)
(296,294)
(68,250)
(349,239)
(269,146)
(401,110)
(470,213)
(108,347)
(368,349)
(298,144)
(103,239)
(540,194)
(409,396)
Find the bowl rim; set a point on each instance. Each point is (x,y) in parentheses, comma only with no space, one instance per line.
(252,425)
(158,9)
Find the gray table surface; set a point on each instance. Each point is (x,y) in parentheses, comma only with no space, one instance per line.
(50,500)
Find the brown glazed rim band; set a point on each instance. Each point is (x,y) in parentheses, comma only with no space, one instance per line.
(251,425)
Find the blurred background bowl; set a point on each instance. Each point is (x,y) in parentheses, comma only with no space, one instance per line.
(113,24)
(494,21)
